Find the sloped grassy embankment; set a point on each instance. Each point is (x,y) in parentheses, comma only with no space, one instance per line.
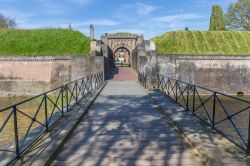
(40,42)
(204,43)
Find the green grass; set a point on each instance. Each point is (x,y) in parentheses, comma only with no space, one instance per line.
(43,42)
(204,43)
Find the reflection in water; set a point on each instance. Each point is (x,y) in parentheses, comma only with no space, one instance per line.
(241,120)
(231,115)
(8,101)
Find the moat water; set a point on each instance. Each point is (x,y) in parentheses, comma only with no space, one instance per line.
(240,120)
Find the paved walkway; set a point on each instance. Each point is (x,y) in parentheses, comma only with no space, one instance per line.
(124,74)
(123,128)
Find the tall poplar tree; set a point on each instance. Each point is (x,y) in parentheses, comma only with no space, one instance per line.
(217,20)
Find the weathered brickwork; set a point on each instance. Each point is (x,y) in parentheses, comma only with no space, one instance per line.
(228,74)
(30,76)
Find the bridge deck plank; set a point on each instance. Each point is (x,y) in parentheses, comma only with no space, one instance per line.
(123,128)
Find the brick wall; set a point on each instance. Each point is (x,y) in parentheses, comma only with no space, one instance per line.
(23,76)
(228,74)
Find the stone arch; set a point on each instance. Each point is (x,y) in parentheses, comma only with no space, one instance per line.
(122,45)
(122,49)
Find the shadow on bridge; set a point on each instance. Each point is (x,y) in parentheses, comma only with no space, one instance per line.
(124,130)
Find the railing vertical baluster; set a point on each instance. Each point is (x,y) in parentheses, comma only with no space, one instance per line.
(76,85)
(176,91)
(91,82)
(168,87)
(214,107)
(194,98)
(67,97)
(248,141)
(16,133)
(62,95)
(46,112)
(187,104)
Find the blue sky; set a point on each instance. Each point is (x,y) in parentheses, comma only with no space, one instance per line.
(149,17)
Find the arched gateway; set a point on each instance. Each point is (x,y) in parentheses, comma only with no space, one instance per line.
(121,45)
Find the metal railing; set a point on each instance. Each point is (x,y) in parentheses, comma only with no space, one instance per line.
(228,115)
(23,123)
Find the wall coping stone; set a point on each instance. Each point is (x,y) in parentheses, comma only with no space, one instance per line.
(38,58)
(205,57)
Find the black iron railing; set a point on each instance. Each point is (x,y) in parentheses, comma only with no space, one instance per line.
(227,114)
(23,123)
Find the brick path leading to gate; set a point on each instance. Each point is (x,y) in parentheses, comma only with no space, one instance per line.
(123,74)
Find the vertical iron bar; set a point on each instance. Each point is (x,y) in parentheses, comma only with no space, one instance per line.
(16,133)
(168,86)
(67,97)
(188,87)
(46,112)
(194,98)
(91,81)
(76,85)
(176,91)
(62,92)
(248,141)
(214,106)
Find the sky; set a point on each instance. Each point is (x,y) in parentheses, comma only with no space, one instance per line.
(147,17)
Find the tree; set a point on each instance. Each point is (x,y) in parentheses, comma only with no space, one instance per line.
(238,15)
(217,20)
(6,22)
(186,29)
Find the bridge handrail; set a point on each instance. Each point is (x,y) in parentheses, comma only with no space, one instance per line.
(52,104)
(190,97)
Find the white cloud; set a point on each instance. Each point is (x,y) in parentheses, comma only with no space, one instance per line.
(145,8)
(178,17)
(98,22)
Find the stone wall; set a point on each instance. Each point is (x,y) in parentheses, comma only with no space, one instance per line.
(22,76)
(227,74)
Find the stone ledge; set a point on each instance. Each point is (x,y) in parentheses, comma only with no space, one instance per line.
(49,145)
(209,145)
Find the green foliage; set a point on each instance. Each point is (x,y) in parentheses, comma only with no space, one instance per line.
(238,15)
(6,22)
(204,43)
(41,42)
(217,21)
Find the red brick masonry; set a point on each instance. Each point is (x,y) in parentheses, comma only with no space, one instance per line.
(123,74)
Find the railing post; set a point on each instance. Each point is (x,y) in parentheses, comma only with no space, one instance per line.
(176,90)
(46,112)
(248,141)
(16,133)
(158,80)
(91,81)
(62,93)
(67,97)
(194,98)
(76,85)
(168,87)
(214,106)
(188,87)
